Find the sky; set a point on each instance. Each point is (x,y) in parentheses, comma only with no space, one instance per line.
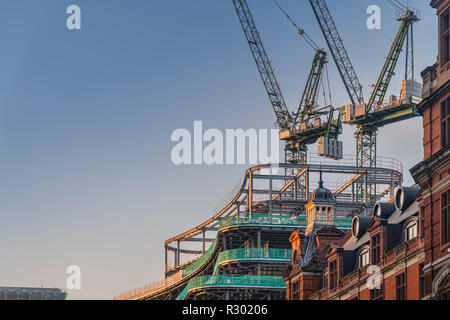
(86,118)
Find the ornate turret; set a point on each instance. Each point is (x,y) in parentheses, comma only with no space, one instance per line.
(320,208)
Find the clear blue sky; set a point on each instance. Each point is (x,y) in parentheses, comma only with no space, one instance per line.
(86,118)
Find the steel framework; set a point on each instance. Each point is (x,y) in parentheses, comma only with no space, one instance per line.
(265,206)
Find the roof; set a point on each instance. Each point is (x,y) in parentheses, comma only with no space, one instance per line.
(322,194)
(394,222)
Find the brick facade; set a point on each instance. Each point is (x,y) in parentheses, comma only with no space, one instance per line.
(432,174)
(405,249)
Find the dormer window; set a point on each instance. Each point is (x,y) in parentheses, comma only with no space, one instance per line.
(363,257)
(375,245)
(411,230)
(333,275)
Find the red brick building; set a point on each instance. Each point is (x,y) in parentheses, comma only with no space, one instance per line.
(381,258)
(401,251)
(432,174)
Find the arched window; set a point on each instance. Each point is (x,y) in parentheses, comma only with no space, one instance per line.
(363,257)
(411,230)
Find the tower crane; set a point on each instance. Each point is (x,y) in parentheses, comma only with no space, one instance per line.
(295,129)
(376,113)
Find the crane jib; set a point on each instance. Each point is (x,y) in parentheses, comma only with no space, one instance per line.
(263,63)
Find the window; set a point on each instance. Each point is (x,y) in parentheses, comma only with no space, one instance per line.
(333,277)
(445,21)
(445,49)
(295,290)
(376,294)
(445,44)
(400,287)
(411,230)
(325,281)
(422,221)
(445,122)
(421,281)
(376,248)
(445,221)
(363,257)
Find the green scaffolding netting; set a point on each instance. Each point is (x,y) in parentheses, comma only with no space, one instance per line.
(258,219)
(227,281)
(252,253)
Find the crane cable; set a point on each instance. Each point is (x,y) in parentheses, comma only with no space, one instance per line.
(328,82)
(300,31)
(398,5)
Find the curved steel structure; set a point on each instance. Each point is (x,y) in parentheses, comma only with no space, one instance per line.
(265,201)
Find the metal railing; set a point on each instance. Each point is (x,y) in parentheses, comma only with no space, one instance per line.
(285,220)
(262,219)
(142,291)
(252,254)
(350,160)
(227,199)
(201,260)
(227,281)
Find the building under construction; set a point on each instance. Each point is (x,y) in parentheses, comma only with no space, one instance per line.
(242,251)
(245,246)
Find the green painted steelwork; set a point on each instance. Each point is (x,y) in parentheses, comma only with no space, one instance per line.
(278,220)
(387,72)
(200,261)
(226,281)
(257,219)
(263,219)
(253,254)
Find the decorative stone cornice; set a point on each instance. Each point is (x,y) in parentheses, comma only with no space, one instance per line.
(437,162)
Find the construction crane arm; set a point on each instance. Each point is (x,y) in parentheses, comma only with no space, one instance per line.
(263,63)
(308,102)
(338,52)
(379,92)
